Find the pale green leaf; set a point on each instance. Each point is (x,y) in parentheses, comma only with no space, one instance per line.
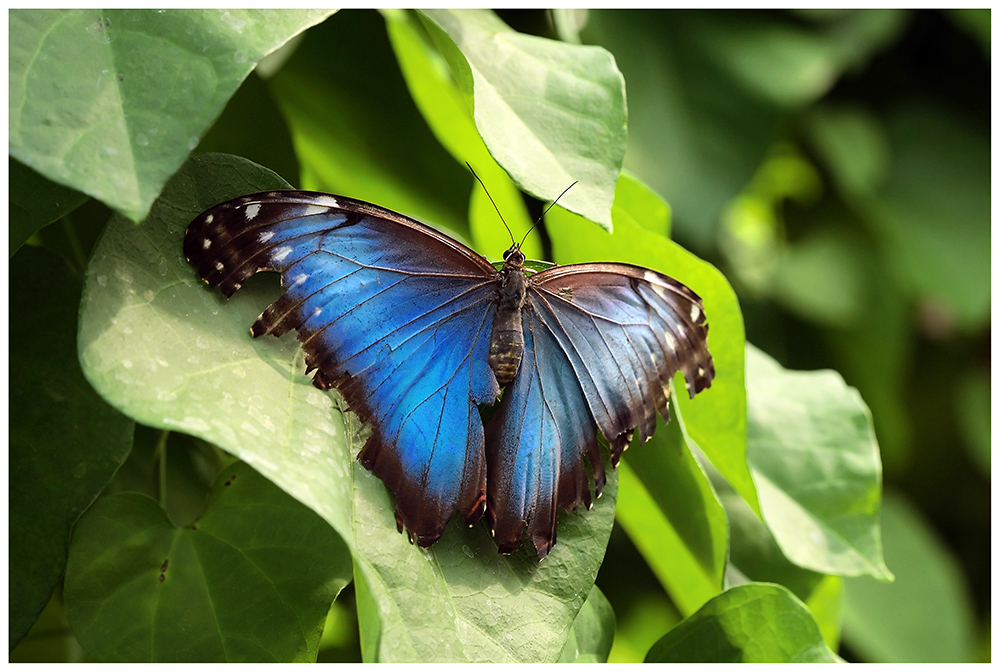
(111,102)
(815,460)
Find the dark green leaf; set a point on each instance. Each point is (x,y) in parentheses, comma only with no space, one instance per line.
(65,441)
(696,136)
(251,126)
(925,615)
(358,133)
(752,623)
(593,631)
(168,351)
(551,113)
(35,202)
(110,102)
(815,461)
(251,581)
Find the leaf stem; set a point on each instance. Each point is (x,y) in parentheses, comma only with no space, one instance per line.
(161,455)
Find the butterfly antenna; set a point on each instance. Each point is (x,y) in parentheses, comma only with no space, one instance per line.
(492,201)
(546,212)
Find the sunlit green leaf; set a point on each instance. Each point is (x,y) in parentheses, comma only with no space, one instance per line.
(551,113)
(715,419)
(755,556)
(65,441)
(815,461)
(752,623)
(166,350)
(110,102)
(451,120)
(251,581)
(673,516)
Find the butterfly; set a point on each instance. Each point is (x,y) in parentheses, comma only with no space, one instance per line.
(417,331)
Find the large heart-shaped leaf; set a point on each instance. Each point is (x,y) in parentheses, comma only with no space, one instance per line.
(166,350)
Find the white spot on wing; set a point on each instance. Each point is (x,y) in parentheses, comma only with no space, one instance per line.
(266,236)
(325,201)
(219,266)
(695,312)
(317,310)
(210,219)
(314,210)
(299,279)
(252,210)
(281,253)
(671,341)
(205,244)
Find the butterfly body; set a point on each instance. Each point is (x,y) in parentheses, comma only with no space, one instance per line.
(417,331)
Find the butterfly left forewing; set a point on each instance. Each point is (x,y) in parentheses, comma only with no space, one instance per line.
(395,315)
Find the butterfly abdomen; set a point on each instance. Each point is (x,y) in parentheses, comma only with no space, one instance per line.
(507,338)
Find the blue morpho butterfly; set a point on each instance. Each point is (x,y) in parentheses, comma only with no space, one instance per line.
(416,330)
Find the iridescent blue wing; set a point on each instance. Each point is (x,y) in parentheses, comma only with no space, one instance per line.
(392,313)
(602,345)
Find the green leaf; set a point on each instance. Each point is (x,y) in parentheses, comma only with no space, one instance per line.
(444,109)
(65,441)
(814,457)
(550,113)
(160,346)
(752,623)
(357,132)
(593,631)
(673,516)
(756,556)
(251,581)
(925,615)
(35,202)
(716,420)
(110,102)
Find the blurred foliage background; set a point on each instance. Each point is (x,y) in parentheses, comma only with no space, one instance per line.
(835,165)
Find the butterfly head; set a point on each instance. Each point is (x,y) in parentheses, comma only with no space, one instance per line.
(513,257)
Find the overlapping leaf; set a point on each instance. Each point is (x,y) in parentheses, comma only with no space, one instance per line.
(752,623)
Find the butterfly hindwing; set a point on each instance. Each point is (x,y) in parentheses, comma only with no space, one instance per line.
(395,315)
(607,339)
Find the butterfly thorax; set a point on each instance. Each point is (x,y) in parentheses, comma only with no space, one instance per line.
(507,341)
